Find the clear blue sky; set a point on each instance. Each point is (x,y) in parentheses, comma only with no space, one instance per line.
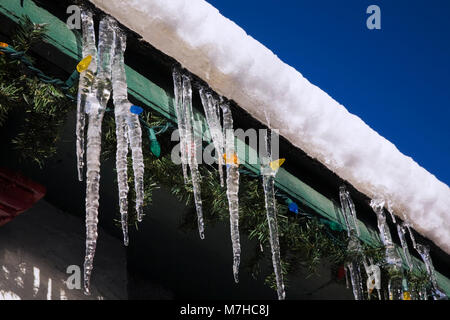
(396,79)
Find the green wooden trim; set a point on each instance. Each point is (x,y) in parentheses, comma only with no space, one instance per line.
(155,97)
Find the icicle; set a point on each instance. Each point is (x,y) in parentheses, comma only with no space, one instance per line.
(120,96)
(423,295)
(271,211)
(268,184)
(424,252)
(391,211)
(180,113)
(348,208)
(395,286)
(127,125)
(346,276)
(392,216)
(211,107)
(356,280)
(351,221)
(192,151)
(135,140)
(122,167)
(353,268)
(84,85)
(413,239)
(232,187)
(95,108)
(188,143)
(401,234)
(392,257)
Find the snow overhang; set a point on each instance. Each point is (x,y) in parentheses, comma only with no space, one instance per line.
(240,68)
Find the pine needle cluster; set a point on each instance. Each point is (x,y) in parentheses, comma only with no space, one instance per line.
(41,106)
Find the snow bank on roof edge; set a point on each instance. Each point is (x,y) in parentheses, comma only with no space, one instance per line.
(242,69)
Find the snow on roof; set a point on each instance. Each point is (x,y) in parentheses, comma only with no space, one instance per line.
(242,69)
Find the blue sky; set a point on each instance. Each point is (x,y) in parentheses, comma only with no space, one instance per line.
(396,79)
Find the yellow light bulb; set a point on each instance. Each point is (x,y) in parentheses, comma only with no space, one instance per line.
(84,64)
(406,295)
(276,164)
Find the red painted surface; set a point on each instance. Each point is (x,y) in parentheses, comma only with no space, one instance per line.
(341,272)
(17,194)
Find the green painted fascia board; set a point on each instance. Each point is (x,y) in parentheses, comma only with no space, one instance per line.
(58,33)
(155,97)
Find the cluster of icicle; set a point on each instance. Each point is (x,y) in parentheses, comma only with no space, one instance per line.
(424,252)
(222,135)
(397,286)
(105,74)
(220,123)
(354,245)
(188,140)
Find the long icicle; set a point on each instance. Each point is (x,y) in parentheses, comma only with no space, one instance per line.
(120,96)
(232,187)
(96,109)
(424,251)
(84,85)
(422,294)
(348,208)
(413,239)
(192,152)
(135,139)
(180,113)
(351,221)
(211,108)
(392,257)
(356,280)
(402,236)
(271,212)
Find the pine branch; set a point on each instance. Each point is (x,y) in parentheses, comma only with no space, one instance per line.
(28,34)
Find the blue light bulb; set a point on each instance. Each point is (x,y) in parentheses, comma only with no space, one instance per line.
(293,207)
(136,109)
